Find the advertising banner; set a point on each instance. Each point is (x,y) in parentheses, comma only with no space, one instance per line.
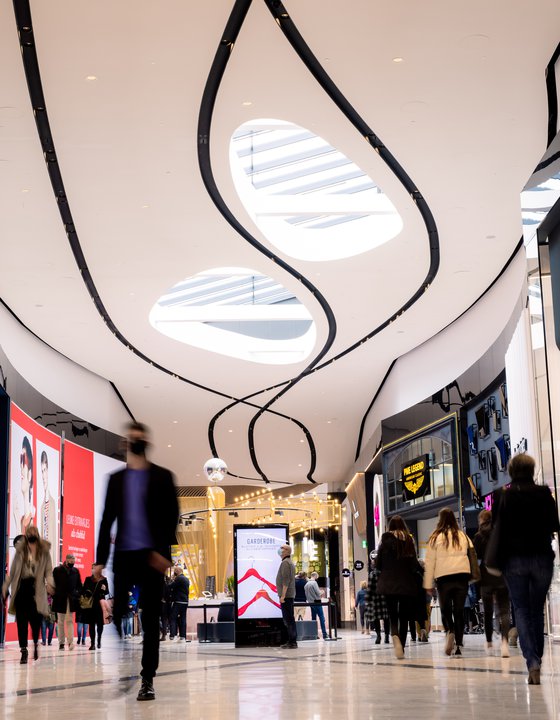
(78,525)
(256,565)
(34,479)
(34,493)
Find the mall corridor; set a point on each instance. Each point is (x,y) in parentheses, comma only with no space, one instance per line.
(351,678)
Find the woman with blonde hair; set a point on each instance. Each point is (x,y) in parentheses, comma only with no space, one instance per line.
(30,578)
(448,567)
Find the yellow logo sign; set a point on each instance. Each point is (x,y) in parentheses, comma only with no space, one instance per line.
(414,476)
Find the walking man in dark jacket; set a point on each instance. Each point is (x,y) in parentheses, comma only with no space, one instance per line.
(68,586)
(180,592)
(286,589)
(143,501)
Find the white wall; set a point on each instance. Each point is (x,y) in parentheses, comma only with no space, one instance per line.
(520,376)
(62,381)
(446,356)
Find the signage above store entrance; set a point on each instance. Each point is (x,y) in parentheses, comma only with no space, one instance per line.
(415,477)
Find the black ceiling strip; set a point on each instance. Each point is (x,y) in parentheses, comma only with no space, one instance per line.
(545,163)
(307,434)
(552,96)
(292,34)
(219,64)
(22,13)
(372,403)
(511,258)
(128,410)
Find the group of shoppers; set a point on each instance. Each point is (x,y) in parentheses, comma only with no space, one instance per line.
(41,597)
(175,603)
(513,549)
(291,589)
(514,542)
(143,502)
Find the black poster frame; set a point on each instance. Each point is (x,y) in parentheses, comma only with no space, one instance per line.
(255,632)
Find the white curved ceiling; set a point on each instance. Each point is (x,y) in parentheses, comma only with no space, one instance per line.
(464,114)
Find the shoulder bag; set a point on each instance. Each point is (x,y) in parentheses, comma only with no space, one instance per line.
(86,599)
(473,562)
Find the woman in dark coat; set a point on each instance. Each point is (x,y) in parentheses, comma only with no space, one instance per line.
(398,581)
(95,587)
(525,517)
(492,588)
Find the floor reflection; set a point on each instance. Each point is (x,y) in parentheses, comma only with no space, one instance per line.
(352,678)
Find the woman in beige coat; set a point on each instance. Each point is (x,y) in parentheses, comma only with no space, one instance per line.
(447,565)
(30,578)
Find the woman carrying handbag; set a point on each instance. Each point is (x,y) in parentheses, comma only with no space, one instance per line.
(94,591)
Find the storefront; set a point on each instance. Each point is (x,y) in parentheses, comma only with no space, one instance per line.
(421,474)
(485,423)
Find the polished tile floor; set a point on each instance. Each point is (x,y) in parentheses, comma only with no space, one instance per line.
(351,678)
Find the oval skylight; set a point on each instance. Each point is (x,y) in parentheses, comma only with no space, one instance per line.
(237,312)
(307,198)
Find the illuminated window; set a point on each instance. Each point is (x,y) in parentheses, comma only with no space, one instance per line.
(308,199)
(237,312)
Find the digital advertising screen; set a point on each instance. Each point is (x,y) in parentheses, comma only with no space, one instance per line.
(256,566)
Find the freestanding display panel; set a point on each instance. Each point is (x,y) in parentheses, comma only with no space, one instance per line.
(258,614)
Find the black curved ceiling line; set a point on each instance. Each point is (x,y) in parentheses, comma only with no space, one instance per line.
(307,434)
(292,34)
(304,52)
(22,12)
(219,64)
(552,96)
(511,258)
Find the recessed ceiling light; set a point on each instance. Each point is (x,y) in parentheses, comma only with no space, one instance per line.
(25,190)
(91,77)
(299,465)
(329,422)
(247,103)
(169,446)
(145,206)
(302,441)
(175,422)
(398,59)
(230,430)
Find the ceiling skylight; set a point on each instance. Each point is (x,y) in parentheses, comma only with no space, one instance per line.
(310,200)
(237,312)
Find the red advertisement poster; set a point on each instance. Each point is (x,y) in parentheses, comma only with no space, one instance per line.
(34,493)
(78,523)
